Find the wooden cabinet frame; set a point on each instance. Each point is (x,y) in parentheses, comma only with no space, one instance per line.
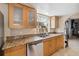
(54,21)
(51,45)
(25,17)
(34,22)
(20,50)
(10,16)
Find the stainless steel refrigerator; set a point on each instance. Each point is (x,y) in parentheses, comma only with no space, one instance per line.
(1,31)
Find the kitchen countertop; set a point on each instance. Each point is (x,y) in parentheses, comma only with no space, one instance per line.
(16,42)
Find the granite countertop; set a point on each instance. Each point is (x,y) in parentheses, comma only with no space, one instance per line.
(16,42)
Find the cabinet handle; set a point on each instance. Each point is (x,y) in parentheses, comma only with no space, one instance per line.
(35,42)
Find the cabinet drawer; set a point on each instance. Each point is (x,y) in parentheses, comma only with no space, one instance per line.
(16,51)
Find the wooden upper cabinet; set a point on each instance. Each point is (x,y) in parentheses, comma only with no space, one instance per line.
(16,16)
(21,16)
(31,17)
(54,21)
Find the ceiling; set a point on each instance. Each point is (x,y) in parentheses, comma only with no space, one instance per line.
(55,9)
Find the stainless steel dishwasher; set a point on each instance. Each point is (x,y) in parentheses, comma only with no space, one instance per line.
(35,48)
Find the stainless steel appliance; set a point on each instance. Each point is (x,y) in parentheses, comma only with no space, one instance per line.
(35,48)
(1,30)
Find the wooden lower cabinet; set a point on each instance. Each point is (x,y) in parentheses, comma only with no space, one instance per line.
(16,51)
(1,52)
(49,46)
(53,44)
(60,42)
(46,47)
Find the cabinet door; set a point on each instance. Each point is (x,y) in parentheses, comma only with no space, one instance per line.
(46,48)
(16,16)
(53,44)
(31,18)
(54,21)
(49,46)
(16,51)
(60,42)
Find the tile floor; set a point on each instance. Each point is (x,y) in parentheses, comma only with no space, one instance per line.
(72,50)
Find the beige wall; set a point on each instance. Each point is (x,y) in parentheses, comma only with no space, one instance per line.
(11,32)
(62,20)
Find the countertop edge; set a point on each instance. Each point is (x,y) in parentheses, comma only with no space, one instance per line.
(44,39)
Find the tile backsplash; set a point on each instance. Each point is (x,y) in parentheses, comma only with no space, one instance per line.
(14,32)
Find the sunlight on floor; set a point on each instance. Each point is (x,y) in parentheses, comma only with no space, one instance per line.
(72,50)
(67,52)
